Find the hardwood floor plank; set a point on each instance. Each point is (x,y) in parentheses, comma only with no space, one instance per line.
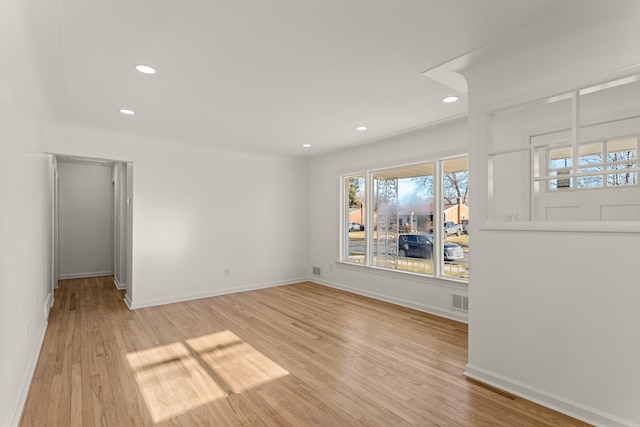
(297,355)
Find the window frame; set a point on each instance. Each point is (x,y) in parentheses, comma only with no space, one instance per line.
(344,216)
(438,218)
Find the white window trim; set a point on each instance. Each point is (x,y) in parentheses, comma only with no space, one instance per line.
(447,282)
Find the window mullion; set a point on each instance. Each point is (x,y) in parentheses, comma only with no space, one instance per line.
(534,171)
(369,227)
(438,219)
(575,136)
(344,221)
(605,164)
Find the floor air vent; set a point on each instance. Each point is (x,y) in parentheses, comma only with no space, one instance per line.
(316,271)
(460,302)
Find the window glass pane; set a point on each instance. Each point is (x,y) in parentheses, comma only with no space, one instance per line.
(591,162)
(455,193)
(560,163)
(592,181)
(403,209)
(354,250)
(560,158)
(591,154)
(622,154)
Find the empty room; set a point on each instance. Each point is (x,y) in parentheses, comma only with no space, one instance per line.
(329,213)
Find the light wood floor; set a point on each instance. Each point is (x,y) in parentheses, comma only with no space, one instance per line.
(293,355)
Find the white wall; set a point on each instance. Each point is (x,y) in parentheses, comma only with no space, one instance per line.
(422,293)
(555,317)
(199,211)
(25,215)
(85,208)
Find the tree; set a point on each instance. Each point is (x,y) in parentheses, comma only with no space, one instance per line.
(424,185)
(455,185)
(617,165)
(354,189)
(623,177)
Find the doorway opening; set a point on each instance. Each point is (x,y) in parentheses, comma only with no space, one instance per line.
(93,220)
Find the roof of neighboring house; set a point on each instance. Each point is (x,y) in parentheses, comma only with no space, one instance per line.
(448,206)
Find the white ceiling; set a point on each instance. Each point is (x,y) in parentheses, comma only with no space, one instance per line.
(266,75)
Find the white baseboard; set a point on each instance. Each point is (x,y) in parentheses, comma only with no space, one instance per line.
(17,407)
(87,274)
(48,303)
(127,301)
(213,293)
(566,406)
(460,317)
(119,286)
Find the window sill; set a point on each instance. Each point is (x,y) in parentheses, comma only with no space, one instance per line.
(578,226)
(450,283)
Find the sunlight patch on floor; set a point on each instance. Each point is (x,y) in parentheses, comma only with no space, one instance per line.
(181,376)
(172,381)
(237,363)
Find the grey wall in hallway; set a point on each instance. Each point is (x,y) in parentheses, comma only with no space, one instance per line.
(85,220)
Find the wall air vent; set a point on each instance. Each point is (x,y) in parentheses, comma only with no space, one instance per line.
(460,302)
(316,271)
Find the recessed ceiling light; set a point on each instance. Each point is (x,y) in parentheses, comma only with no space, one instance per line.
(145,69)
(361,128)
(306,145)
(449,99)
(128,112)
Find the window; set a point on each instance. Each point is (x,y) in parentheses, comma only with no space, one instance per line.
(353,187)
(455,203)
(571,157)
(402,204)
(405,221)
(596,160)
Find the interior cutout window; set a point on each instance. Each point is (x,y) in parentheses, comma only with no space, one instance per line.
(572,157)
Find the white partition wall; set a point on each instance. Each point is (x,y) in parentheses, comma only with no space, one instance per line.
(554,308)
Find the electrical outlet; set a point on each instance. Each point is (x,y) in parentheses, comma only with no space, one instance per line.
(509,217)
(226,272)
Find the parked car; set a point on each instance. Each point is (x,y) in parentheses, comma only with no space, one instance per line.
(450,228)
(356,226)
(421,246)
